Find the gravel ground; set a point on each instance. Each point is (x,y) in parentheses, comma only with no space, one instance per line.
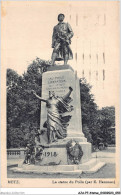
(107,171)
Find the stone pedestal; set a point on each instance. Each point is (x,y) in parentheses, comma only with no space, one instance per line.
(59,79)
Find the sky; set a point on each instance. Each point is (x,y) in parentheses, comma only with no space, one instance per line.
(27,28)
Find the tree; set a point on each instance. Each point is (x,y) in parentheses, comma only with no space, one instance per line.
(89,111)
(13,109)
(107,121)
(23,109)
(96,124)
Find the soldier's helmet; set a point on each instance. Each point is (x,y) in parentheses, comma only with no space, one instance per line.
(61,15)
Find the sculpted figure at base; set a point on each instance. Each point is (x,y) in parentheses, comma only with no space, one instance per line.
(28,154)
(38,147)
(56,123)
(61,40)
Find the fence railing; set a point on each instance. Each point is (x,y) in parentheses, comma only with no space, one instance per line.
(16,153)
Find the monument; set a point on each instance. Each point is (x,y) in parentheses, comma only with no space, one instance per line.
(60,145)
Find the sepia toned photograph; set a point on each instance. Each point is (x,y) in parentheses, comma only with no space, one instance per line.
(60,94)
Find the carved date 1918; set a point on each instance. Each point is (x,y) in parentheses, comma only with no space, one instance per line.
(50,154)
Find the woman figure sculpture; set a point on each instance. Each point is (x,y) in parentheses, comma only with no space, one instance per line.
(56,123)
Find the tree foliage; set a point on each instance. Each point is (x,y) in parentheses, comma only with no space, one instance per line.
(106,120)
(23,109)
(89,110)
(96,122)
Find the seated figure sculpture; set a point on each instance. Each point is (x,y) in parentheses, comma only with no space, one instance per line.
(56,123)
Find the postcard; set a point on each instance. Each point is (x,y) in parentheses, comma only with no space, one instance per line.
(60,94)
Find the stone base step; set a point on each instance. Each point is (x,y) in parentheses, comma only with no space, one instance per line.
(88,165)
(95,168)
(91,166)
(28,171)
(50,168)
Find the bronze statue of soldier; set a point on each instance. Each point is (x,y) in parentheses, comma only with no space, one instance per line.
(61,40)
